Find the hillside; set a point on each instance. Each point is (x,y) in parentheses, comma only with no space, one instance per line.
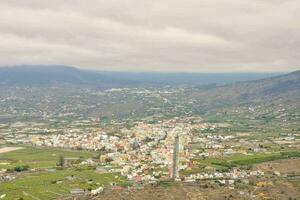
(54,75)
(268,92)
(270,87)
(35,75)
(83,94)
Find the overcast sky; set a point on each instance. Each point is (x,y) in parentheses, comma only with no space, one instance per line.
(152,35)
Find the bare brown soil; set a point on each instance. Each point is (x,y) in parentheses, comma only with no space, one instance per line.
(286,166)
(284,187)
(174,192)
(9,149)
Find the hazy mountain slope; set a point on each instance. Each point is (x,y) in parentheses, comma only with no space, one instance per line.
(40,97)
(53,74)
(275,90)
(183,78)
(265,88)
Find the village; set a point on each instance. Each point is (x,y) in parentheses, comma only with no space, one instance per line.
(204,153)
(144,153)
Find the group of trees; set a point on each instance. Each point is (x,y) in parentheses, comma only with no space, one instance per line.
(19,168)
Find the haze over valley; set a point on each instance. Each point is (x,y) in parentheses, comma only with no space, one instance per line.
(149,100)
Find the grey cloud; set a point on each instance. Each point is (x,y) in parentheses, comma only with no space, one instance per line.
(158,35)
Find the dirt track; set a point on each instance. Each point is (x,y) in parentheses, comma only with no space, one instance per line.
(8,149)
(176,192)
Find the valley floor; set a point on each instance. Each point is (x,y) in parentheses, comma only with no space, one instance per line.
(285,188)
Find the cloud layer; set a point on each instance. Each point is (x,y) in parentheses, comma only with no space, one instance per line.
(157,35)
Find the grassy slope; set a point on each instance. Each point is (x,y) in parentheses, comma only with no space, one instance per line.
(226,163)
(55,184)
(49,185)
(38,157)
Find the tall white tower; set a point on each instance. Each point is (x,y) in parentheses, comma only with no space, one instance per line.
(175,172)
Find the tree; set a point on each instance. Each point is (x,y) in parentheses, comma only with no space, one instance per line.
(21,168)
(61,161)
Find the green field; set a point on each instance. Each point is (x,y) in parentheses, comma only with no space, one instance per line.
(38,157)
(239,160)
(50,185)
(259,158)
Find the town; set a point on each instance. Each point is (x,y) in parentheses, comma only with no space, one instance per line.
(145,153)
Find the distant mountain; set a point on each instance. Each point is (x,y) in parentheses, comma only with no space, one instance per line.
(206,93)
(264,88)
(275,90)
(56,74)
(185,78)
(53,75)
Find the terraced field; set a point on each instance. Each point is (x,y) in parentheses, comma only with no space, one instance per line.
(225,163)
(51,185)
(38,157)
(47,181)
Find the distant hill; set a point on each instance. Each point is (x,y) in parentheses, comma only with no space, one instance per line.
(209,94)
(264,88)
(275,90)
(184,78)
(56,74)
(53,75)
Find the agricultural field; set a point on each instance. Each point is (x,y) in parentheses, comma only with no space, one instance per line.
(51,185)
(38,157)
(43,179)
(246,161)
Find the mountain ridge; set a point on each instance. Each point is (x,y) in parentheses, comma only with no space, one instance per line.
(61,74)
(275,90)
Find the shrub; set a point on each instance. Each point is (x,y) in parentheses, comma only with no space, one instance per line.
(21,168)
